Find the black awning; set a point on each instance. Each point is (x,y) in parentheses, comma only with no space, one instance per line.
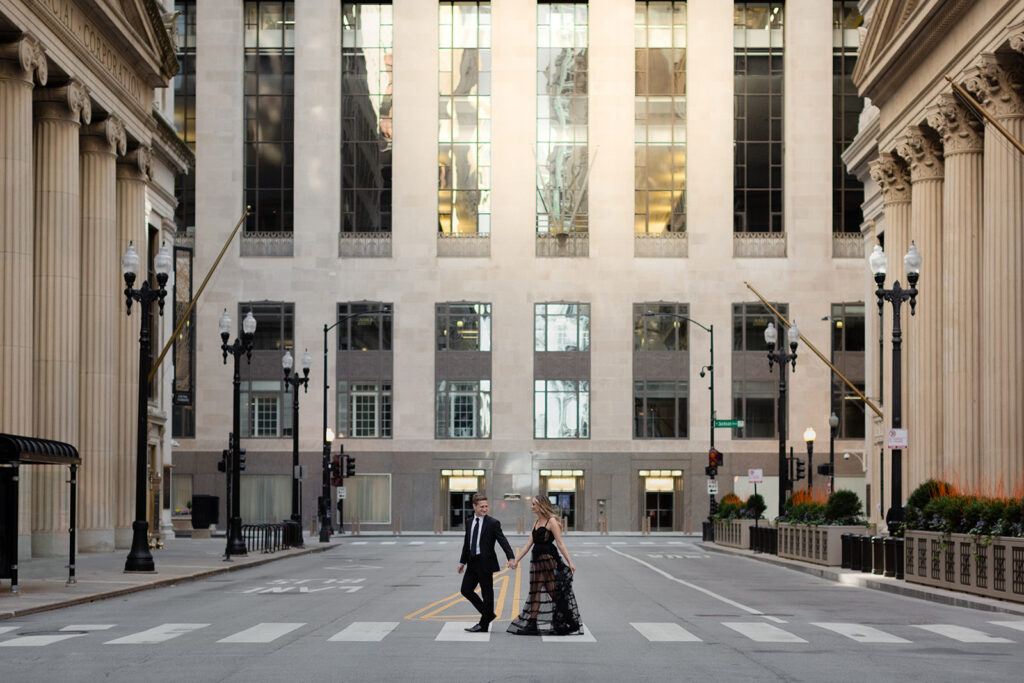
(30,450)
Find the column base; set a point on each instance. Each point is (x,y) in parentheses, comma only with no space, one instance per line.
(96,540)
(49,544)
(123,538)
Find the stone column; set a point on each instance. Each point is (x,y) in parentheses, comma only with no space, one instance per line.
(132,175)
(963,144)
(100,305)
(922,150)
(20,63)
(57,283)
(996,81)
(893,179)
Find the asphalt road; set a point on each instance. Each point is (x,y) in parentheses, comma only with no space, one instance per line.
(382,609)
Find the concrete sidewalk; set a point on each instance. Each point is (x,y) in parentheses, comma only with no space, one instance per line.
(43,582)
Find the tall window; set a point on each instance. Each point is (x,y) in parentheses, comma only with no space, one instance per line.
(658,327)
(463,409)
(660,129)
(661,410)
(364,369)
(275,325)
(185,109)
(757,192)
(848,340)
(562,327)
(368,328)
(269,115)
(562,112)
(262,391)
(464,119)
(661,407)
(366,124)
(365,407)
(463,327)
(462,371)
(847,191)
(561,409)
(755,389)
(183,421)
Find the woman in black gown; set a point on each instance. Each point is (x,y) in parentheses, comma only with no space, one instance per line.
(550,608)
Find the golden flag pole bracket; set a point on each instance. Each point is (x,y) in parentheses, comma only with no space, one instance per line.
(824,360)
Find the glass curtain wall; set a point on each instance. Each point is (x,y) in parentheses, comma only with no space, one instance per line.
(562,117)
(660,115)
(847,191)
(464,119)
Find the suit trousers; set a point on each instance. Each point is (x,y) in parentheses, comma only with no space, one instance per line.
(476,574)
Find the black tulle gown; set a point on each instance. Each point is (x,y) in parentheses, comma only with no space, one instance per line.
(550,608)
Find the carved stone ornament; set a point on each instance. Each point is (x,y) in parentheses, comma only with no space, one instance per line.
(142,158)
(996,81)
(892,177)
(29,55)
(1016,41)
(961,132)
(922,153)
(113,132)
(78,100)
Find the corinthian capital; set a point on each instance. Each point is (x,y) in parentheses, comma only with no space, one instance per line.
(961,132)
(996,80)
(923,154)
(29,55)
(892,177)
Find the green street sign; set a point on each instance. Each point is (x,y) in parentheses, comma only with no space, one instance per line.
(729,424)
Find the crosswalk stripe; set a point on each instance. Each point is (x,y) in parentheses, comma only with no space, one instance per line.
(365,631)
(665,632)
(1019,625)
(157,634)
(71,631)
(358,542)
(962,633)
(262,633)
(456,631)
(763,633)
(5,629)
(416,542)
(861,633)
(585,637)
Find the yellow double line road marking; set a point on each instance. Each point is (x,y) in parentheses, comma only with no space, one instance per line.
(435,610)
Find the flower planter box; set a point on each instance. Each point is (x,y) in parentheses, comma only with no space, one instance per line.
(819,544)
(734,533)
(182,525)
(957,562)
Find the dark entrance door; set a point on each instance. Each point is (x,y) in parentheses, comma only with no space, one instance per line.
(659,509)
(460,508)
(565,505)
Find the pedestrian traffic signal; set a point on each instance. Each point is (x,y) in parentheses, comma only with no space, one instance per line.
(715,458)
(825,469)
(350,467)
(801,470)
(222,466)
(711,471)
(241,459)
(335,470)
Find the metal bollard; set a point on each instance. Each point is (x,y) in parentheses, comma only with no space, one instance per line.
(900,548)
(865,554)
(844,542)
(878,548)
(855,554)
(890,556)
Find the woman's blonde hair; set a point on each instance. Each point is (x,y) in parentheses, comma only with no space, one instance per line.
(544,505)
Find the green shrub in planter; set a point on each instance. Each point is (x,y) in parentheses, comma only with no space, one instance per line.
(755,506)
(926,491)
(843,507)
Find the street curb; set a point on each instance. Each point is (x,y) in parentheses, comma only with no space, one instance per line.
(873,582)
(159,583)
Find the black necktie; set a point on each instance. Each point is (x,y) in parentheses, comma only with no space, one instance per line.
(476,536)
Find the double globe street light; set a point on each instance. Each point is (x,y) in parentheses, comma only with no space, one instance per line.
(782,357)
(295,381)
(235,543)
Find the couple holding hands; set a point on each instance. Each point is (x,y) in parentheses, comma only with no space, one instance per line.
(550,607)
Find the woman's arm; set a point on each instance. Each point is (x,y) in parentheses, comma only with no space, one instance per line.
(556,531)
(522,553)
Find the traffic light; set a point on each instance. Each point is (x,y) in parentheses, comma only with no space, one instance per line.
(222,466)
(711,471)
(336,470)
(825,469)
(350,467)
(715,458)
(241,459)
(801,470)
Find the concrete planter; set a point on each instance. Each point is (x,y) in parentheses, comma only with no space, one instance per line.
(734,533)
(182,525)
(957,562)
(819,544)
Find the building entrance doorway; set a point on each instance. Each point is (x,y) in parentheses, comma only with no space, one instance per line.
(457,489)
(564,489)
(662,499)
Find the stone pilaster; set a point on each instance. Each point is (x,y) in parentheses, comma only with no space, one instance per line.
(21,64)
(996,81)
(57,282)
(100,305)
(962,215)
(132,175)
(922,151)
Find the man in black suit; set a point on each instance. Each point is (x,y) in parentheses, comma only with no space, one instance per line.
(480,561)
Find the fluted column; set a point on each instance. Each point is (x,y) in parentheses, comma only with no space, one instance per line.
(100,305)
(922,151)
(21,63)
(55,311)
(132,175)
(996,82)
(963,144)
(893,179)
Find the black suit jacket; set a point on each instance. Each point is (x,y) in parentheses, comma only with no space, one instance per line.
(490,533)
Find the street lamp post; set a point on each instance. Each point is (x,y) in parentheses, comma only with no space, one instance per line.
(809,435)
(139,557)
(782,357)
(896,296)
(833,427)
(235,544)
(295,381)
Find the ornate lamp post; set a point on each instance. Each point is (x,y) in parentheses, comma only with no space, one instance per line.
(139,558)
(833,427)
(235,544)
(295,381)
(809,435)
(896,296)
(782,357)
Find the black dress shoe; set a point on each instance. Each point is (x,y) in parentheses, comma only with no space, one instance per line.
(477,628)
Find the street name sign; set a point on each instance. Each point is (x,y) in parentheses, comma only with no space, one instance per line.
(729,424)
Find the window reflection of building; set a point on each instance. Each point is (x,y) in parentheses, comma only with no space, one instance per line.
(366,126)
(848,341)
(661,370)
(364,369)
(847,190)
(261,391)
(755,388)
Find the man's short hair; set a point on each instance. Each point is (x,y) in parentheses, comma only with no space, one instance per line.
(477,497)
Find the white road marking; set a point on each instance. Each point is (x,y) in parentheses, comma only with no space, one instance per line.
(262,633)
(665,632)
(389,542)
(5,629)
(763,633)
(962,633)
(157,634)
(777,620)
(1019,625)
(365,632)
(358,542)
(861,633)
(585,637)
(705,591)
(41,640)
(455,631)
(415,542)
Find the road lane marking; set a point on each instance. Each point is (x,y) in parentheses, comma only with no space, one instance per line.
(585,637)
(777,620)
(157,634)
(962,633)
(262,633)
(716,596)
(435,610)
(455,631)
(1019,625)
(364,632)
(861,633)
(389,542)
(38,641)
(358,542)
(665,632)
(763,633)
(5,629)
(415,542)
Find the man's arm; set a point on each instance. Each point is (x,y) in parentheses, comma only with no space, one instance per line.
(502,541)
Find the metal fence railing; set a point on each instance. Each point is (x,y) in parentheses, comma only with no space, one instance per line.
(269,538)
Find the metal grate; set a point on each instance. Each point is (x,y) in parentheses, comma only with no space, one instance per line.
(981,570)
(965,563)
(909,549)
(1018,571)
(935,559)
(999,567)
(949,564)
